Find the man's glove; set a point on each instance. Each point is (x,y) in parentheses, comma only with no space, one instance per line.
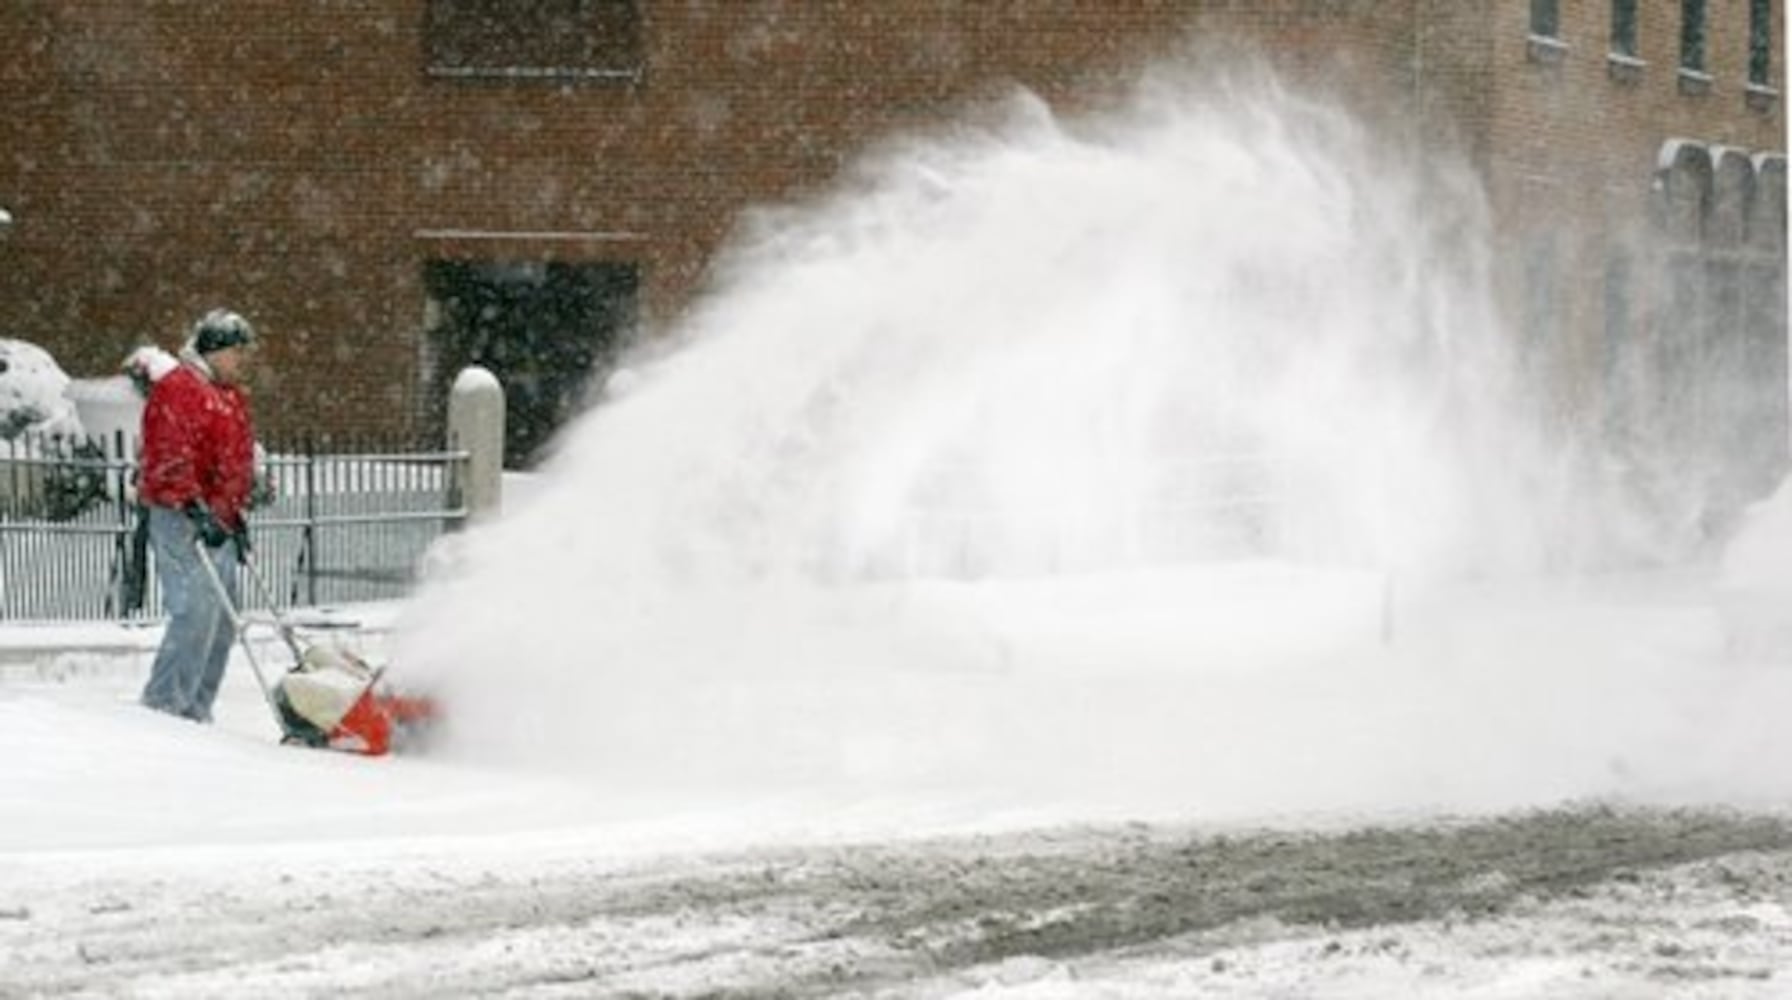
(210,529)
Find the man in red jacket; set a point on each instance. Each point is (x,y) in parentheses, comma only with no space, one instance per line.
(198,469)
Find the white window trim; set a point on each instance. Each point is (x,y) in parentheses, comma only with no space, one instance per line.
(1546,49)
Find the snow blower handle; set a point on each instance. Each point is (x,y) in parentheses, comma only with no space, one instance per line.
(238,623)
(287,634)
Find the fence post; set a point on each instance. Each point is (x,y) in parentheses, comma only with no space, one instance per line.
(118,471)
(308,541)
(476,423)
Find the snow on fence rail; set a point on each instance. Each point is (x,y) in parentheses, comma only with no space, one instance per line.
(339,527)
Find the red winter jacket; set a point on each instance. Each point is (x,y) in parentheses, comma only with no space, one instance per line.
(198,443)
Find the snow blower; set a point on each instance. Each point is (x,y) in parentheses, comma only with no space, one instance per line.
(329,698)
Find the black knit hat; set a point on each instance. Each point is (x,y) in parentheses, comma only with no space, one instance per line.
(221,329)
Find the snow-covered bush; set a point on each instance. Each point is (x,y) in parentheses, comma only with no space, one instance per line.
(34,394)
(45,456)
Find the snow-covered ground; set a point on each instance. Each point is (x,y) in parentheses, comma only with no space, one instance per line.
(1224,694)
(146,856)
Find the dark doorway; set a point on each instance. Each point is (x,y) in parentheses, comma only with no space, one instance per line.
(544,329)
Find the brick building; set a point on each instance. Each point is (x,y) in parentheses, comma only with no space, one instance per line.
(394,187)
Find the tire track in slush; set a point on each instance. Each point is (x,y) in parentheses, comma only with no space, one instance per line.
(822,921)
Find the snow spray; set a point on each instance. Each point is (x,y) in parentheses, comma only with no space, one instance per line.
(980,469)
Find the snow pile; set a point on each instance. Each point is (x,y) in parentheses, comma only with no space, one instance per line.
(39,428)
(33,396)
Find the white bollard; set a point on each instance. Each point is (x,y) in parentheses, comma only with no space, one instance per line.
(476,425)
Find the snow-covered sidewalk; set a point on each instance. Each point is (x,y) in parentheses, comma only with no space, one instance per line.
(1057,704)
(141,855)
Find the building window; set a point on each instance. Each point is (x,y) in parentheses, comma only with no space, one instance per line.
(1545,19)
(533,39)
(1621,62)
(1692,35)
(1624,28)
(1760,42)
(1544,44)
(550,332)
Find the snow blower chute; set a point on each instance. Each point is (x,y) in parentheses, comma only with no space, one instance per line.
(330,697)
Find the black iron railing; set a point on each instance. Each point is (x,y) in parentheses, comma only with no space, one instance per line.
(334,526)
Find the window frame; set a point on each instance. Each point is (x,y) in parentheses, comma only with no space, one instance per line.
(1760,44)
(1623,41)
(1546,19)
(1543,42)
(543,41)
(1693,29)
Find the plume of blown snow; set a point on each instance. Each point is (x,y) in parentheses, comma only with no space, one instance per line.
(1019,358)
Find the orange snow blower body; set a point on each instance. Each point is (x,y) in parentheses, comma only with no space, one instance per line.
(334,699)
(331,697)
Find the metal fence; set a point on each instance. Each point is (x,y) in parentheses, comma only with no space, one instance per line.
(342,526)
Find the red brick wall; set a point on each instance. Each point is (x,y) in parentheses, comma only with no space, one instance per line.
(1574,139)
(290,158)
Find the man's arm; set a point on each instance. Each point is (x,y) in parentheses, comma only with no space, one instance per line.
(170,474)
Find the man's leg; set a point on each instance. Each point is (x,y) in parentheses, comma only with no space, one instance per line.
(174,676)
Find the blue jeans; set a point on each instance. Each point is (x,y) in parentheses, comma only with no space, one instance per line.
(189,666)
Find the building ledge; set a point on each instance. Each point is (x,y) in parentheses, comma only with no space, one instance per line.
(1694,83)
(1761,97)
(1545,50)
(546,244)
(1624,69)
(534,74)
